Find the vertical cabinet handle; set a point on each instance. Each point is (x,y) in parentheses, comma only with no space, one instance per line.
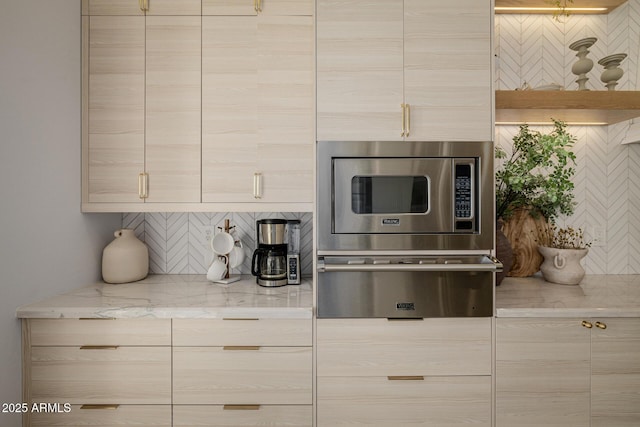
(408,118)
(143,185)
(257,6)
(144,5)
(257,185)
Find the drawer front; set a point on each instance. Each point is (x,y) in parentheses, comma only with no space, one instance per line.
(242,416)
(266,375)
(221,332)
(371,347)
(124,375)
(378,401)
(137,332)
(106,416)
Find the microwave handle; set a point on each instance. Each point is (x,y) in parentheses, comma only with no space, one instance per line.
(493,265)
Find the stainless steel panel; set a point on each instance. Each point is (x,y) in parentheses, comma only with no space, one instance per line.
(480,240)
(400,287)
(439,217)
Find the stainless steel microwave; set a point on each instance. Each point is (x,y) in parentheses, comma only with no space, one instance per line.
(406,195)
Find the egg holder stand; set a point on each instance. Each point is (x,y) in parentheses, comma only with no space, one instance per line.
(228,278)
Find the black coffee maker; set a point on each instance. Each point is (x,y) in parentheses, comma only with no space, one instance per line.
(269,262)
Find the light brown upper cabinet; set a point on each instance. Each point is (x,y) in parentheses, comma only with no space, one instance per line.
(191,106)
(143,106)
(404,69)
(257,105)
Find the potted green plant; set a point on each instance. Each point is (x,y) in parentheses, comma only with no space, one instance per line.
(533,187)
(563,248)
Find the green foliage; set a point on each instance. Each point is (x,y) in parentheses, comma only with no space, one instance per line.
(538,173)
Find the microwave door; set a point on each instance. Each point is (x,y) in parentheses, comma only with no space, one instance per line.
(392,196)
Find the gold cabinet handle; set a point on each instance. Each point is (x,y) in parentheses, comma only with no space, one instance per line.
(405,378)
(587,325)
(241,407)
(143,185)
(601,325)
(257,185)
(98,347)
(259,5)
(408,117)
(141,5)
(146,4)
(241,347)
(99,406)
(404,111)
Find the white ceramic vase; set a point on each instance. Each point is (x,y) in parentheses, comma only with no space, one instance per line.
(562,265)
(125,259)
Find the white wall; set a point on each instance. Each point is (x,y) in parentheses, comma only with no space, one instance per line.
(46,245)
(534,48)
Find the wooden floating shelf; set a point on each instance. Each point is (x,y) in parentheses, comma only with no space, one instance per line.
(547,8)
(574,107)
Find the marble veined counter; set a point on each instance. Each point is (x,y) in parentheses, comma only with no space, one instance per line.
(597,295)
(177,296)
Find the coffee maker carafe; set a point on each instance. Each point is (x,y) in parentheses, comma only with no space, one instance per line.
(269,262)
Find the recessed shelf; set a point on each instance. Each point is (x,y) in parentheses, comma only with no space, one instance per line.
(573,107)
(578,7)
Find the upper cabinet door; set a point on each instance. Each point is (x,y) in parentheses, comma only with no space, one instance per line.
(229,108)
(447,69)
(116,108)
(285,93)
(173,87)
(359,69)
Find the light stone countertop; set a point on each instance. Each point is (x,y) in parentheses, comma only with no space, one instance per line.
(177,296)
(597,295)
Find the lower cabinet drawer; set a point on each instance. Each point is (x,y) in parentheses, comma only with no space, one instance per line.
(106,416)
(122,375)
(383,402)
(380,347)
(242,415)
(242,375)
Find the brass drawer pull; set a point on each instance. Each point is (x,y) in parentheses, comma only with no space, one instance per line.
(405,378)
(99,406)
(241,347)
(601,325)
(241,407)
(587,324)
(99,347)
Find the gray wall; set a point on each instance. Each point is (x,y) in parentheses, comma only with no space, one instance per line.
(46,245)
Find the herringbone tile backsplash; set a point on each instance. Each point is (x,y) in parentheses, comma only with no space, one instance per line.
(178,242)
(535,49)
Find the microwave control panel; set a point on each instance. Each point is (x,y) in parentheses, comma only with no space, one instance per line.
(464,197)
